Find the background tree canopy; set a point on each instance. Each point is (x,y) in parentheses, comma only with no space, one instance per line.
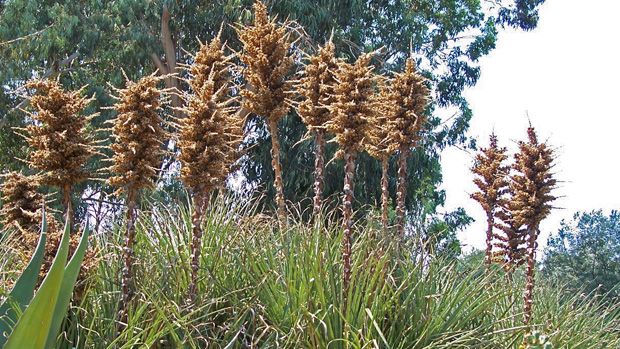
(89,42)
(585,253)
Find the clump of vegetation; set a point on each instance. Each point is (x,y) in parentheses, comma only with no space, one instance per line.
(57,137)
(209,138)
(492,181)
(352,109)
(267,67)
(317,90)
(22,202)
(138,150)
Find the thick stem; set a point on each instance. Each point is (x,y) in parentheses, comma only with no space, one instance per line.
(401,191)
(127,286)
(385,194)
(528,297)
(199,205)
(488,252)
(275,162)
(319,165)
(347,218)
(66,204)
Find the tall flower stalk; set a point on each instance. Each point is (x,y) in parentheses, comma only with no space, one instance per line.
(317,90)
(138,150)
(209,138)
(352,110)
(407,99)
(58,138)
(268,64)
(492,182)
(531,186)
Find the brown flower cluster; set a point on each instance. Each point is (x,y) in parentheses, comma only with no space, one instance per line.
(57,137)
(138,135)
(210,133)
(380,142)
(405,104)
(268,64)
(317,87)
(22,202)
(355,105)
(492,182)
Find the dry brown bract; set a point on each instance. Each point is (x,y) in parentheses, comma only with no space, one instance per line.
(60,147)
(138,135)
(492,182)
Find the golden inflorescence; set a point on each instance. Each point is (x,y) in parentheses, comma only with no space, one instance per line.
(138,135)
(21,202)
(268,64)
(60,147)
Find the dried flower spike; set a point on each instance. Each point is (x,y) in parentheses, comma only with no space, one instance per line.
(317,90)
(268,64)
(492,182)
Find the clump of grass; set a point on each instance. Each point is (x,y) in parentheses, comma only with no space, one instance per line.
(60,145)
(209,138)
(492,182)
(267,68)
(317,90)
(138,138)
(353,108)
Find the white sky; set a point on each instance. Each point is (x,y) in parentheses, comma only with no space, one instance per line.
(565,74)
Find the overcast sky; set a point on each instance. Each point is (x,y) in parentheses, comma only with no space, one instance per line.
(565,75)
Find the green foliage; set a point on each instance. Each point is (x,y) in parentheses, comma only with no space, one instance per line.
(585,254)
(261,287)
(40,322)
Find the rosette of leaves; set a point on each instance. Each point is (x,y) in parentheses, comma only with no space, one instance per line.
(137,154)
(531,187)
(60,145)
(267,68)
(408,98)
(352,110)
(492,182)
(316,87)
(209,137)
(381,145)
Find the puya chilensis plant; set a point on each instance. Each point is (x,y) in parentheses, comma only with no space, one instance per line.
(531,185)
(316,87)
(209,137)
(267,68)
(58,138)
(137,153)
(492,182)
(21,207)
(352,110)
(380,144)
(407,99)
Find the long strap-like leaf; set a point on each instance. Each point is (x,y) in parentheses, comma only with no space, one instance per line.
(22,292)
(33,326)
(66,291)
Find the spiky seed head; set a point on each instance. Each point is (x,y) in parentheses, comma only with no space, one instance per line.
(316,87)
(268,64)
(209,134)
(381,139)
(60,146)
(408,99)
(532,182)
(354,104)
(21,202)
(138,135)
(491,176)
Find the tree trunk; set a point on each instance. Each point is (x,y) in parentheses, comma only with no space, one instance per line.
(347,217)
(275,163)
(199,202)
(319,165)
(385,194)
(528,297)
(401,191)
(127,285)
